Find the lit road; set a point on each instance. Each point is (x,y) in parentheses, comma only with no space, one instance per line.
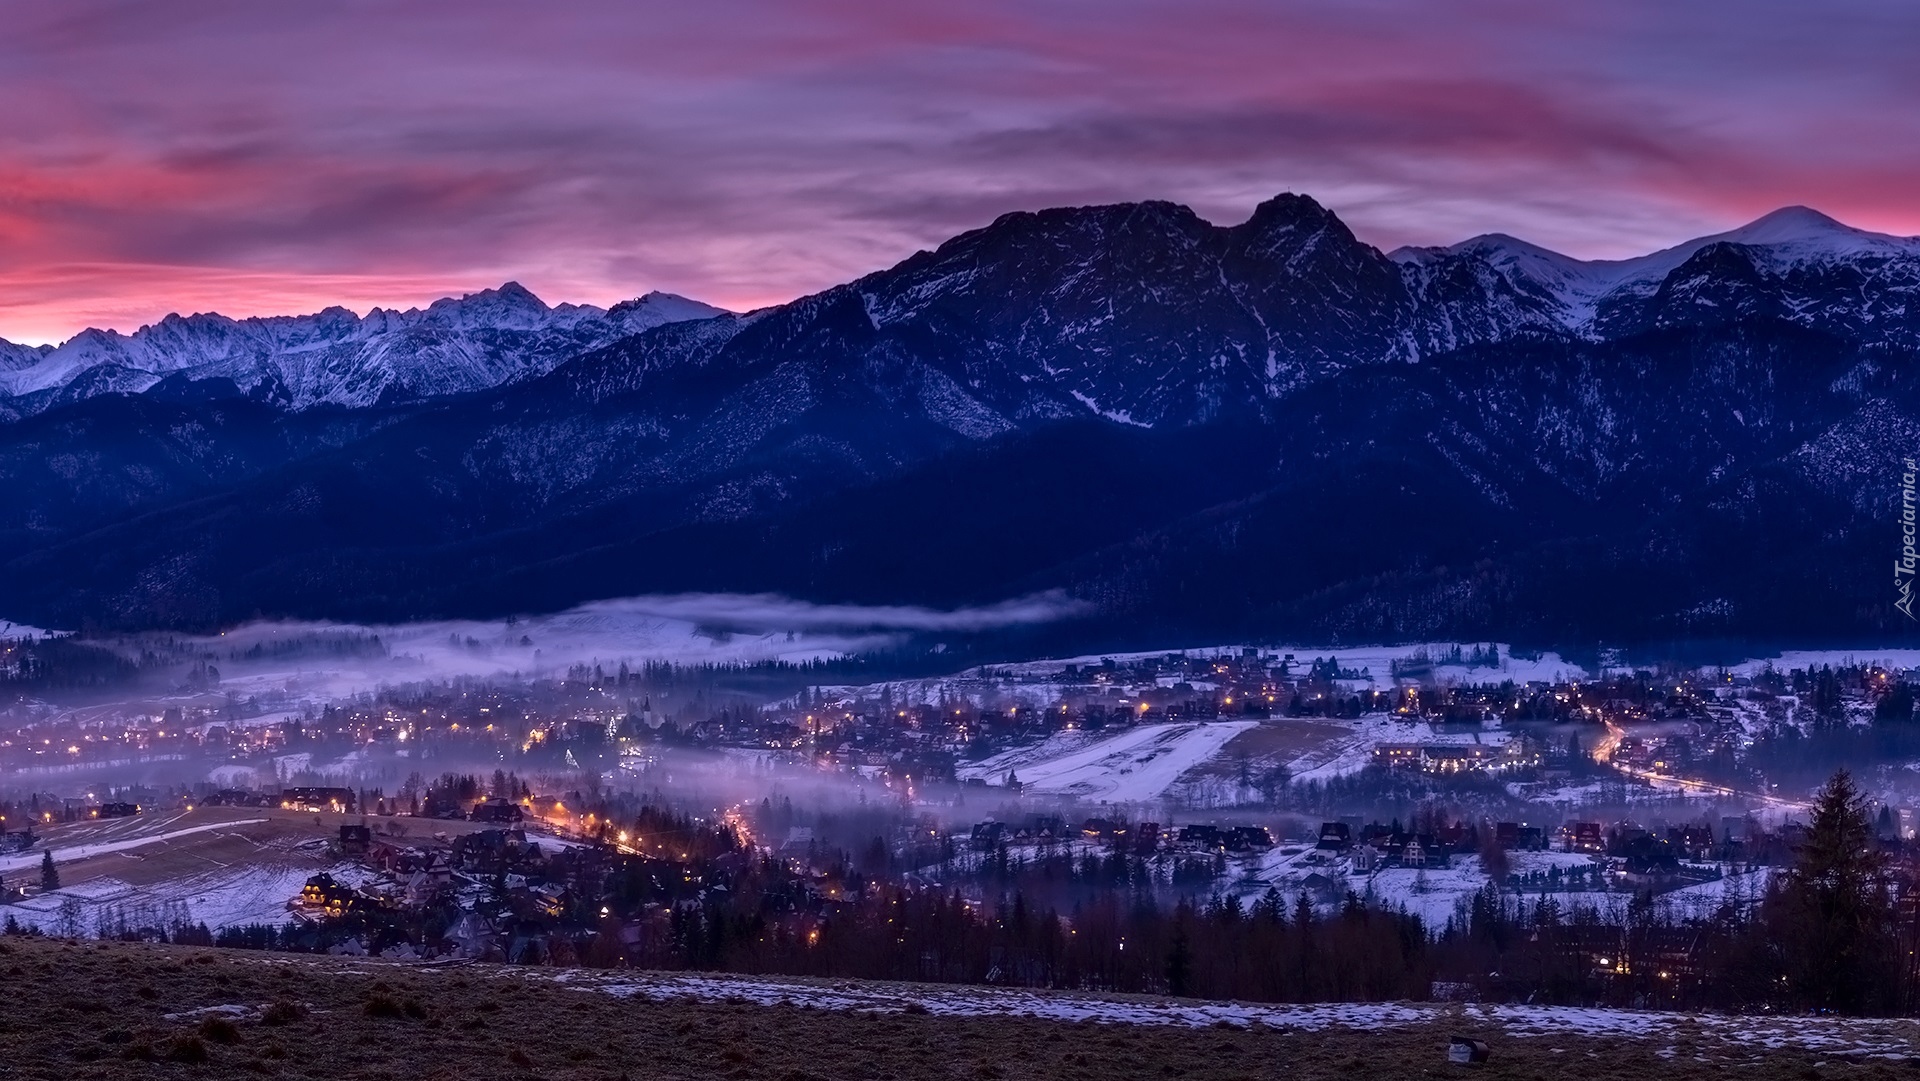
(1604,750)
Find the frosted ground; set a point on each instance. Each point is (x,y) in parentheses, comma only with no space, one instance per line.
(1136,765)
(1194,760)
(1437,894)
(219,866)
(1894,1039)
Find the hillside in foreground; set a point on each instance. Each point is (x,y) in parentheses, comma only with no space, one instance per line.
(119,1010)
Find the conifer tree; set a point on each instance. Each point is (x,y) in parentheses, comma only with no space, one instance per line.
(1832,914)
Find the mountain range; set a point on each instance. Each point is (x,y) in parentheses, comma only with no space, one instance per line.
(1269,428)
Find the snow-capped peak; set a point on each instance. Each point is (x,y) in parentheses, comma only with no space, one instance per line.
(511,306)
(456,344)
(1788,237)
(656,308)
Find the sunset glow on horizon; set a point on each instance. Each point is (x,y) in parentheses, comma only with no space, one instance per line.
(213,155)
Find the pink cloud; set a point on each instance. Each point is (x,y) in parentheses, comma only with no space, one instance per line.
(256,158)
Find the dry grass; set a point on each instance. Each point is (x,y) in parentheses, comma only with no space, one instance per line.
(1288,737)
(100,1010)
(253,835)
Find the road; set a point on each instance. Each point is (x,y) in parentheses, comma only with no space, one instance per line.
(1604,750)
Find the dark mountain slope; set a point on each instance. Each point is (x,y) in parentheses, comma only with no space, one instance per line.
(1262,428)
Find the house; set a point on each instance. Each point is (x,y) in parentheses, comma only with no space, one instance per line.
(356,840)
(1692,842)
(318,889)
(1365,858)
(496,809)
(1668,953)
(1245,838)
(1589,949)
(119,810)
(1394,755)
(1445,759)
(428,883)
(338,800)
(1146,838)
(1335,837)
(1586,837)
(1323,888)
(1413,855)
(552,898)
(1208,837)
(988,835)
(326,896)
(1649,859)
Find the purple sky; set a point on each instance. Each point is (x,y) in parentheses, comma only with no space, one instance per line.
(256,158)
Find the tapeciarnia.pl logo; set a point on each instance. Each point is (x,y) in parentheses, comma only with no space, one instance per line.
(1903,567)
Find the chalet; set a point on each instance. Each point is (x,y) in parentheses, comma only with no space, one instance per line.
(324,895)
(1649,859)
(495,851)
(1692,842)
(1668,953)
(496,809)
(1145,837)
(1596,949)
(393,857)
(427,883)
(1335,837)
(338,800)
(356,840)
(553,899)
(1413,855)
(1446,758)
(1322,888)
(1207,837)
(1246,838)
(1585,837)
(988,835)
(1393,755)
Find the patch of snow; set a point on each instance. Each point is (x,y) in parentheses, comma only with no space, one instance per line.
(1137,765)
(71,853)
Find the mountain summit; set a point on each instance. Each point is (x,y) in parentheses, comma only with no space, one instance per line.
(1261,428)
(335,357)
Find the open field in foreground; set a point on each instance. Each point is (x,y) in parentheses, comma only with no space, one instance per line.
(112,1010)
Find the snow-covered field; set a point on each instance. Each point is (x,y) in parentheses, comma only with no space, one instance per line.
(1136,765)
(1791,659)
(1350,754)
(1158,761)
(1436,894)
(151,834)
(1890,1038)
(221,897)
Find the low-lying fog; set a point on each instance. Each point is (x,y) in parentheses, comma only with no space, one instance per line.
(316,662)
